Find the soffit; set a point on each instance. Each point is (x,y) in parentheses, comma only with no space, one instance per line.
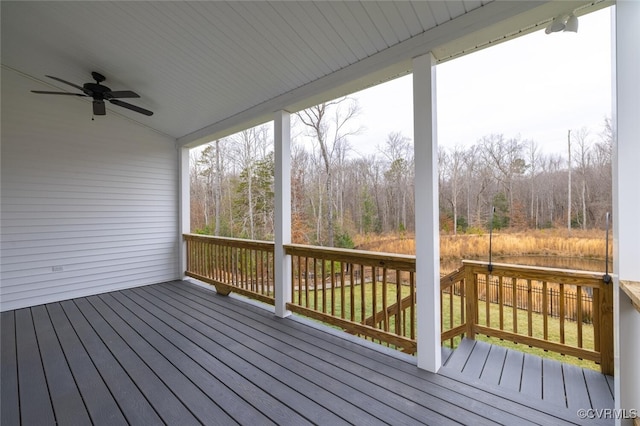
(209,68)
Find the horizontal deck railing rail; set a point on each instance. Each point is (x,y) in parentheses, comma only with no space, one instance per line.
(373,295)
(232,264)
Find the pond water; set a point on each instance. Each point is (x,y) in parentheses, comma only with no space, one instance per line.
(577,263)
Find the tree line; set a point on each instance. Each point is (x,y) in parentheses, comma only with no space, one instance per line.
(498,181)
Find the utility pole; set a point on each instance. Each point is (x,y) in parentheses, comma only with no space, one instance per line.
(569,191)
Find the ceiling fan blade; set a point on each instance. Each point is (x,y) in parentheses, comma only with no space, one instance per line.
(99,108)
(66,82)
(131,107)
(121,94)
(44,92)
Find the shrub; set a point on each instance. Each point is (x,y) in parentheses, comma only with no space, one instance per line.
(343,240)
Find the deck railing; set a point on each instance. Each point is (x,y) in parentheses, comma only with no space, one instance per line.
(232,264)
(373,295)
(452,307)
(365,293)
(577,325)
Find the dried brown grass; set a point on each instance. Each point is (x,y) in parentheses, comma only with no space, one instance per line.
(553,242)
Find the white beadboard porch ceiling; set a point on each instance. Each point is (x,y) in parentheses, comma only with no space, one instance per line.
(208,69)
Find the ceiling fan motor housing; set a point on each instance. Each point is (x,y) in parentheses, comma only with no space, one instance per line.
(95,90)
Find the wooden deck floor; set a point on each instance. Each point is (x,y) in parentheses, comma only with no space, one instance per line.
(548,380)
(177,353)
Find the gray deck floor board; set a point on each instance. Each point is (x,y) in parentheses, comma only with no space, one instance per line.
(511,377)
(446,353)
(193,398)
(203,345)
(330,370)
(65,396)
(476,361)
(99,401)
(575,386)
(405,373)
(611,384)
(599,392)
(177,353)
(196,363)
(109,393)
(35,403)
(356,368)
(547,380)
(9,401)
(168,407)
(493,367)
(532,376)
(459,357)
(553,383)
(344,398)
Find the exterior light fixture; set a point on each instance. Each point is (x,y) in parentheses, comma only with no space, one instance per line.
(563,23)
(572,24)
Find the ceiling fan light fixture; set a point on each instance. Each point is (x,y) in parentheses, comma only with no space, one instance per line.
(99,108)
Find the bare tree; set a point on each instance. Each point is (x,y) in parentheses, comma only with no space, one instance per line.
(454,161)
(211,166)
(601,183)
(569,165)
(329,124)
(247,148)
(198,190)
(534,157)
(231,182)
(398,151)
(583,161)
(470,164)
(506,157)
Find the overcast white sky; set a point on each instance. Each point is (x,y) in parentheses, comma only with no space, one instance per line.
(536,87)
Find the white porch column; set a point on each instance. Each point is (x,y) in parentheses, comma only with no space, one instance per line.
(282,211)
(626,201)
(426,215)
(184,212)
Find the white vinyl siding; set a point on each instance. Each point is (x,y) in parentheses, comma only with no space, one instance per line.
(87,206)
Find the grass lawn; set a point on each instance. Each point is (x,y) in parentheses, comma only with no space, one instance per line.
(553,327)
(338,303)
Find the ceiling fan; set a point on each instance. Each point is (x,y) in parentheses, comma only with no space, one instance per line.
(99,93)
